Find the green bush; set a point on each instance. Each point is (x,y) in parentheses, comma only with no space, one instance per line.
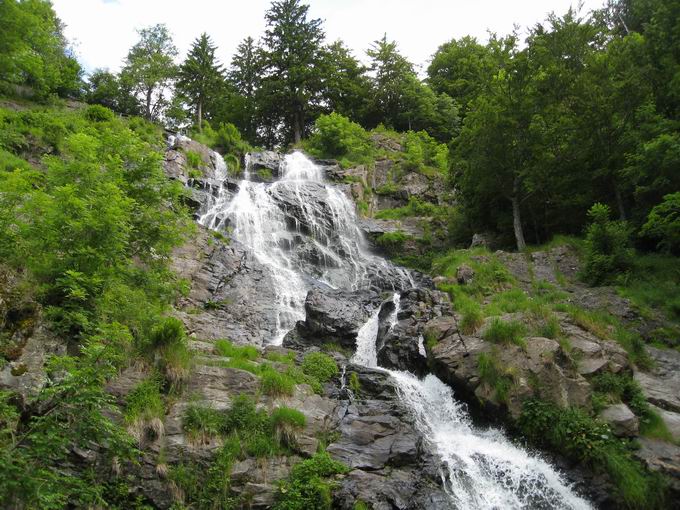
(505,332)
(578,436)
(663,224)
(225,347)
(276,384)
(335,136)
(423,151)
(491,372)
(415,207)
(320,366)
(608,248)
(145,401)
(194,160)
(308,487)
(392,242)
(98,113)
(202,423)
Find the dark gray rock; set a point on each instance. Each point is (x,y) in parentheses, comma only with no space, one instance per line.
(265,166)
(621,420)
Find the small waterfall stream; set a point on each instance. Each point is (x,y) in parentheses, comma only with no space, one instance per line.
(305,231)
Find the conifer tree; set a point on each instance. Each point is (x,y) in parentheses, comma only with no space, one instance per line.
(200,76)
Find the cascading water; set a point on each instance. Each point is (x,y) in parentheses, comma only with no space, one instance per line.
(289,222)
(298,218)
(481,469)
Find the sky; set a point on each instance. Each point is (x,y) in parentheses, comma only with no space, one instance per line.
(102,31)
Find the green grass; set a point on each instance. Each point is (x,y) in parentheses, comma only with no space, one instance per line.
(471,317)
(226,348)
(202,423)
(287,423)
(491,276)
(286,359)
(491,372)
(276,384)
(415,208)
(505,332)
(145,401)
(320,366)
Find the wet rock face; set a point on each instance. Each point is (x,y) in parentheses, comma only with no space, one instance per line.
(391,467)
(333,316)
(265,166)
(230,295)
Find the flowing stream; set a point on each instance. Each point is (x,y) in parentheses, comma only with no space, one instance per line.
(305,231)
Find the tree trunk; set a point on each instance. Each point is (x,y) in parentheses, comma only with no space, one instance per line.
(297,128)
(619,203)
(516,218)
(199,116)
(149,94)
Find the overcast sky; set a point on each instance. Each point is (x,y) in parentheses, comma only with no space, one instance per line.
(103,30)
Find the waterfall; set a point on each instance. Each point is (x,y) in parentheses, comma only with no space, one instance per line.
(481,469)
(306,233)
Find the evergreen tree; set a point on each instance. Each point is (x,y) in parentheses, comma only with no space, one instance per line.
(293,71)
(392,75)
(200,76)
(346,85)
(244,77)
(150,68)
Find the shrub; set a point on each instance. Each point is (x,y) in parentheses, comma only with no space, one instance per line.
(335,136)
(169,331)
(242,415)
(320,366)
(471,317)
(392,242)
(225,347)
(276,384)
(663,223)
(608,249)
(308,486)
(98,113)
(582,438)
(202,423)
(421,150)
(194,159)
(491,372)
(286,423)
(505,332)
(145,401)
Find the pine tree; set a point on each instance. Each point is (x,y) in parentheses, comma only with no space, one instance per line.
(292,63)
(200,76)
(244,77)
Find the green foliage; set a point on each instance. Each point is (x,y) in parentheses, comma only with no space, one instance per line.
(492,373)
(225,347)
(335,136)
(308,487)
(145,402)
(287,423)
(580,437)
(471,316)
(276,384)
(608,251)
(354,383)
(202,423)
(421,151)
(34,51)
(663,224)
(415,207)
(392,242)
(499,331)
(226,140)
(98,113)
(320,366)
(194,160)
(149,68)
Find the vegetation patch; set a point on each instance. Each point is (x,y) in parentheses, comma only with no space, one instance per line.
(499,331)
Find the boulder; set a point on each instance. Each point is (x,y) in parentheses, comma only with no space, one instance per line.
(621,420)
(661,385)
(264,166)
(662,457)
(480,240)
(464,274)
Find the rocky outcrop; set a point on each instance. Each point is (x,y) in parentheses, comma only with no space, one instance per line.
(621,420)
(265,166)
(230,291)
(333,316)
(542,369)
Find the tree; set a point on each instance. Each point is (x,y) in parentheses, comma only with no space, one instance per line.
(346,86)
(392,74)
(200,76)
(110,90)
(150,68)
(462,69)
(292,60)
(244,77)
(34,51)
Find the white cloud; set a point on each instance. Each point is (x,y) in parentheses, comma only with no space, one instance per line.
(104,30)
